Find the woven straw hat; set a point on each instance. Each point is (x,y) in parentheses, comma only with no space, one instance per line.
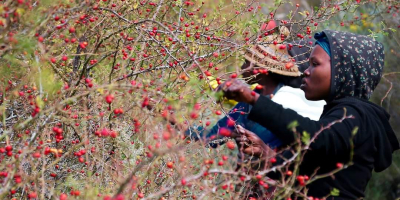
(271,57)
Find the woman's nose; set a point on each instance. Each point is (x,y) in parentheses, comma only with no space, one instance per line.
(306,72)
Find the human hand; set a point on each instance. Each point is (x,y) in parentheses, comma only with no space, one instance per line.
(249,143)
(239,91)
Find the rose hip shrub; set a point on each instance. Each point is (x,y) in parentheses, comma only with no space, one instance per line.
(89,90)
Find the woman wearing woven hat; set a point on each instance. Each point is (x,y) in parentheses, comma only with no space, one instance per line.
(344,70)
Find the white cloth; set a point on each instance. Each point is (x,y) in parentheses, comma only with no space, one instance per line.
(294,98)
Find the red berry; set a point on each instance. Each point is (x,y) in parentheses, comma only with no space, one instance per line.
(224,132)
(170,165)
(9,148)
(109,98)
(63,196)
(234,75)
(166,135)
(183,181)
(339,165)
(300,178)
(71,29)
(113,134)
(36,155)
(231,122)
(32,195)
(289,65)
(231,145)
(194,115)
(83,45)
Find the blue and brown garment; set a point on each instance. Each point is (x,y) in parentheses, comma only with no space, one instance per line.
(357,64)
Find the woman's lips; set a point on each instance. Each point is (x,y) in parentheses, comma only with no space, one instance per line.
(303,84)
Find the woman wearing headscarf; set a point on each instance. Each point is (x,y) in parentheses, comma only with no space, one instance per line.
(281,84)
(344,70)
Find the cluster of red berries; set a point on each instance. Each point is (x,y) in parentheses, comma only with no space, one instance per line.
(302,179)
(58,131)
(105,133)
(8,150)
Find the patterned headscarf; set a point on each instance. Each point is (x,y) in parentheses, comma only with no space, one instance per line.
(357,64)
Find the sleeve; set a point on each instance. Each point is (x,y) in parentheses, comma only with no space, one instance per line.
(334,141)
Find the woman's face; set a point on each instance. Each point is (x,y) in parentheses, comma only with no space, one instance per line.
(317,81)
(247,69)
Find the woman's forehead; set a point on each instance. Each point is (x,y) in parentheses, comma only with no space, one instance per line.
(318,53)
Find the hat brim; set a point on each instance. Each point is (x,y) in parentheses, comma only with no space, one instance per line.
(262,57)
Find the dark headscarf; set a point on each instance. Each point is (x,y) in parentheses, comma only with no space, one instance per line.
(356,62)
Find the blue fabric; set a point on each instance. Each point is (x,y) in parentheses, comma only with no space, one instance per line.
(239,114)
(323,42)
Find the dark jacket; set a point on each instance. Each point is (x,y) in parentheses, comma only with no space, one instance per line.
(355,73)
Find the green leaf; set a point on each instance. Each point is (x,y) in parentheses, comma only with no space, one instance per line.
(335,192)
(123,156)
(303,14)
(289,15)
(47,80)
(355,130)
(39,102)
(293,124)
(218,95)
(305,138)
(277,2)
